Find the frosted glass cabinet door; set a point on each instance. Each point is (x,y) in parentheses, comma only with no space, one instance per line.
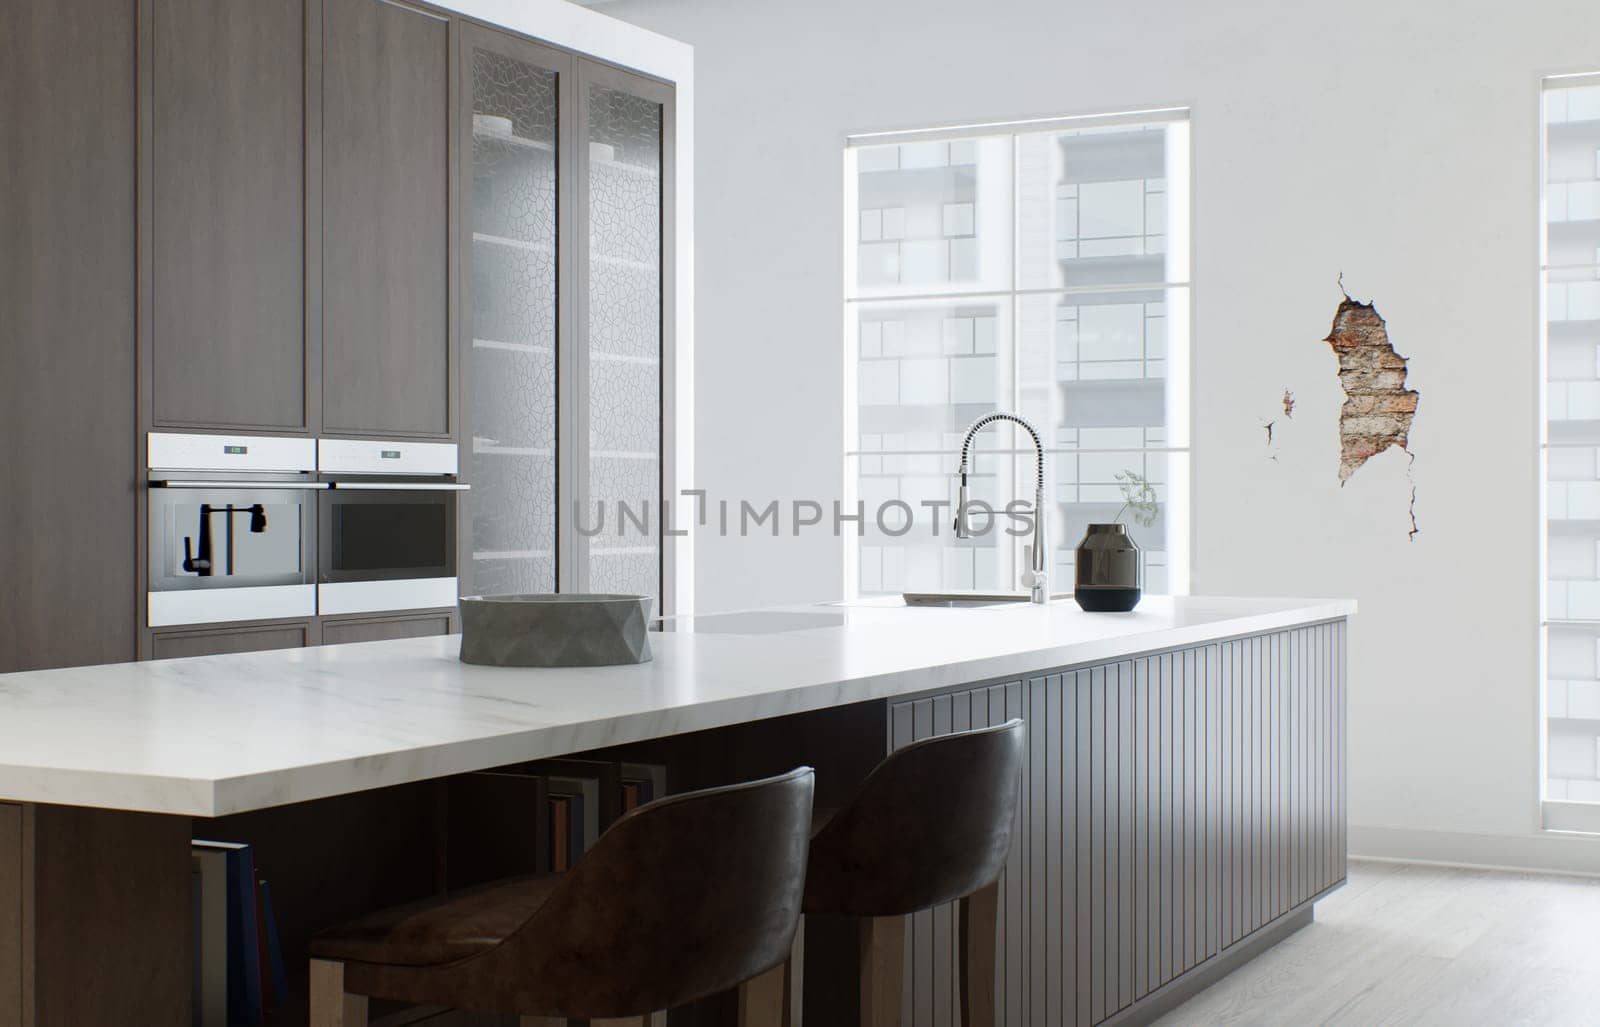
(509,280)
(618,478)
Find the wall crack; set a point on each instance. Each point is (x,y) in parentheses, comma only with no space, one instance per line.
(1378,408)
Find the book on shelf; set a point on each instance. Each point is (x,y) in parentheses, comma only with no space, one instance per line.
(240,951)
(642,783)
(263,970)
(210,993)
(276,973)
(585,795)
(560,813)
(605,794)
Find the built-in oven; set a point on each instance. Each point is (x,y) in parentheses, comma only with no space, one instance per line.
(232,528)
(386,526)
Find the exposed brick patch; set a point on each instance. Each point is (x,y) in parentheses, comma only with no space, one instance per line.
(1378,407)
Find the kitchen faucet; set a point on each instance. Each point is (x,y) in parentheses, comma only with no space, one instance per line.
(1034,577)
(201,564)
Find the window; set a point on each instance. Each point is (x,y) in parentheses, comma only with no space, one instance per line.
(1570,276)
(1038,267)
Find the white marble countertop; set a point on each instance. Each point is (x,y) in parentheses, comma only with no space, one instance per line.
(212,735)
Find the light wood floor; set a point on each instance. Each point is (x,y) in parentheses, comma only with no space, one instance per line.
(1413,945)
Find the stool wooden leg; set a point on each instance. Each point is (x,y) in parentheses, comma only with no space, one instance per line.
(979,915)
(331,1005)
(761,999)
(883,947)
(774,998)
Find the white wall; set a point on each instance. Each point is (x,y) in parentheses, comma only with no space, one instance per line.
(1395,142)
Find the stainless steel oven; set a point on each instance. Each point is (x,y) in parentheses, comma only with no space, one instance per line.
(386,535)
(232,529)
(386,546)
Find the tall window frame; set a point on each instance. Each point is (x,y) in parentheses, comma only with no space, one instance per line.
(1068,318)
(1569,452)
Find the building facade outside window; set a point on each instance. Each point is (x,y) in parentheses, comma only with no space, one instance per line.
(1040,267)
(1570,444)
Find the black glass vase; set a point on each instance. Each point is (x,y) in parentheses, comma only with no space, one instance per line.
(1110,575)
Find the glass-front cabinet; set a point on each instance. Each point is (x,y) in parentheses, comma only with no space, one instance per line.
(618,355)
(564,187)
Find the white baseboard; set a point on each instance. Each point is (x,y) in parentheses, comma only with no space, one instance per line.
(1554,852)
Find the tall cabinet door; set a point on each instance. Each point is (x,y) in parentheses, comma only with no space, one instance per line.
(514,212)
(385,220)
(615,384)
(227,121)
(67,309)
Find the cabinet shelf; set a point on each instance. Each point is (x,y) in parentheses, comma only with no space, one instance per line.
(510,243)
(511,554)
(622,168)
(534,348)
(489,447)
(622,454)
(516,141)
(623,358)
(627,262)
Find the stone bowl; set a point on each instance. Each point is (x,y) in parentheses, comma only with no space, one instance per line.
(568,629)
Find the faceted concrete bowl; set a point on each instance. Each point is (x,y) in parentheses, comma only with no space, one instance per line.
(569,629)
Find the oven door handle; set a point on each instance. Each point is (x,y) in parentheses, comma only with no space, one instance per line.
(399,486)
(174,483)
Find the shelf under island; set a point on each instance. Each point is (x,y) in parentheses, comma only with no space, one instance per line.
(1183,795)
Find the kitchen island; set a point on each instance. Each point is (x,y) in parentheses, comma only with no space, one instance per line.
(1183,799)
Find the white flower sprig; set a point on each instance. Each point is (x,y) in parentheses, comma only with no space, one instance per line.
(1138,498)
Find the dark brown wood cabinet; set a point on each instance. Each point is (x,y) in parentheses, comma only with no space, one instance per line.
(91,905)
(297,208)
(256,218)
(11,912)
(226,132)
(212,640)
(385,146)
(382,629)
(235,639)
(67,215)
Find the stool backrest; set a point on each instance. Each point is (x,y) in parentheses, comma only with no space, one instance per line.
(930,824)
(684,897)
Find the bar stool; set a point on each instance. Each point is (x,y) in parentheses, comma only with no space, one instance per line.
(931,824)
(684,897)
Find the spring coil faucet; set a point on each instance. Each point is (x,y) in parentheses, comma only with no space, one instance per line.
(1034,577)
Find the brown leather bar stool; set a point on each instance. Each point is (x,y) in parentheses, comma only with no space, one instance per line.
(684,897)
(931,824)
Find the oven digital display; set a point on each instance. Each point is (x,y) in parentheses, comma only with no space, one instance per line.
(389,536)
